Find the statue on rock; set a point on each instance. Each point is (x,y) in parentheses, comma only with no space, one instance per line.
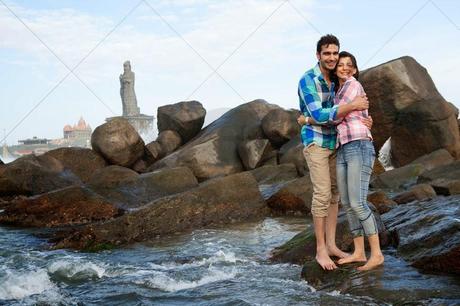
(127,93)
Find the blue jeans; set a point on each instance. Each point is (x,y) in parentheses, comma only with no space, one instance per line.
(354,167)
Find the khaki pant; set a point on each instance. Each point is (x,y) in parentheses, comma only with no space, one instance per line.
(322,165)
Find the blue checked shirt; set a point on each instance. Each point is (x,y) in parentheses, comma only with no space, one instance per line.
(316,100)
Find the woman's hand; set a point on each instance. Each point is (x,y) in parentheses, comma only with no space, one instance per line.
(367,122)
(302,120)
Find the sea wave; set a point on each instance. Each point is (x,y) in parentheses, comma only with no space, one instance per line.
(76,270)
(18,285)
(164,282)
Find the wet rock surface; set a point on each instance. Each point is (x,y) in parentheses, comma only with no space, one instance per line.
(69,206)
(429,233)
(230,199)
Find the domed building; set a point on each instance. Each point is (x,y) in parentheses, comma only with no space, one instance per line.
(78,135)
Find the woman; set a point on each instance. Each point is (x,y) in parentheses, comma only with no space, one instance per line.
(355,159)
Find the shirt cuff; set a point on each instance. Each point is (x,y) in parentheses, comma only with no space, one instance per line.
(333,113)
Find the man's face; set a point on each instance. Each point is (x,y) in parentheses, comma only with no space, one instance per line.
(328,56)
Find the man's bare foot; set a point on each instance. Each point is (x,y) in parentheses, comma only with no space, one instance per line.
(335,251)
(324,260)
(372,263)
(353,258)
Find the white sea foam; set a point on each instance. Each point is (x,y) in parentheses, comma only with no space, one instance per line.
(219,257)
(166,283)
(76,269)
(18,285)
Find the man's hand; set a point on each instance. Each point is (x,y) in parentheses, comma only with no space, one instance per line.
(301,120)
(367,122)
(360,103)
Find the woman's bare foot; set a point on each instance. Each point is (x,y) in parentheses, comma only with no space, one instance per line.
(324,260)
(335,251)
(353,258)
(373,262)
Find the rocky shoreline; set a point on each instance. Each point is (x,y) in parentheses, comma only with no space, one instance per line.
(245,166)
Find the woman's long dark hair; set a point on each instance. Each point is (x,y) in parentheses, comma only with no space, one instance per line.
(333,75)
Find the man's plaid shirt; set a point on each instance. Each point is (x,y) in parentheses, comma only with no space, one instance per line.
(316,100)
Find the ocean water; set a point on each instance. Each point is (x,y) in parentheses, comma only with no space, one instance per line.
(206,267)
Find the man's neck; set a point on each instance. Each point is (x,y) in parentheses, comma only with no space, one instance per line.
(325,73)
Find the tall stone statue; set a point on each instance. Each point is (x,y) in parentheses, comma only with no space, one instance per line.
(128,96)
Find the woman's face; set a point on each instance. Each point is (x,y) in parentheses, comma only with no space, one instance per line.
(345,68)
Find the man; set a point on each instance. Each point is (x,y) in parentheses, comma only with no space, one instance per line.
(316,98)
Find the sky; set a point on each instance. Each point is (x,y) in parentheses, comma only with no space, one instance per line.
(61,59)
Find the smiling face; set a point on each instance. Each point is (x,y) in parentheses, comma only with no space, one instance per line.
(345,68)
(328,56)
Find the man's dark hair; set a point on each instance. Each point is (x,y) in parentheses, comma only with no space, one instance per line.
(327,40)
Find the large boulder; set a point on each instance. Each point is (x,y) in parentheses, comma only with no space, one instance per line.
(381,201)
(32,175)
(274,174)
(118,142)
(169,141)
(134,191)
(292,198)
(420,192)
(445,172)
(69,206)
(280,126)
(111,176)
(292,152)
(446,187)
(407,107)
(186,118)
(429,233)
(229,199)
(399,177)
(82,162)
(254,152)
(214,151)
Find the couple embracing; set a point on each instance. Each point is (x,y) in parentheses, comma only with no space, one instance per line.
(339,152)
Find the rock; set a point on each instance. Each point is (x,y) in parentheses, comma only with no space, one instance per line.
(213,152)
(380,200)
(169,141)
(118,142)
(82,162)
(32,175)
(446,172)
(292,152)
(141,165)
(399,177)
(186,118)
(274,174)
(254,152)
(421,192)
(111,176)
(69,206)
(378,168)
(429,233)
(229,199)
(293,198)
(435,159)
(298,250)
(154,151)
(134,191)
(446,187)
(1,162)
(280,126)
(407,107)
